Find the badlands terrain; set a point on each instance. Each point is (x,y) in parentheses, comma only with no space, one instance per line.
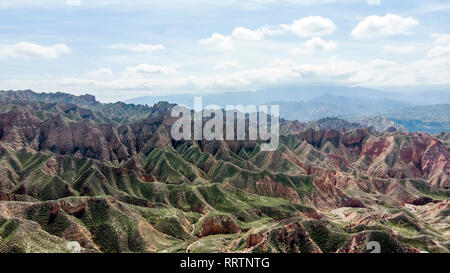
(110,177)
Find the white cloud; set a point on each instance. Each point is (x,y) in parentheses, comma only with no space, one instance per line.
(143,48)
(316,44)
(399,49)
(439,51)
(226,43)
(311,26)
(441,38)
(443,47)
(374,2)
(227,65)
(305,27)
(277,72)
(23,50)
(424,72)
(100,73)
(373,73)
(149,69)
(329,70)
(390,24)
(130,81)
(377,72)
(73,2)
(270,30)
(241,33)
(219,41)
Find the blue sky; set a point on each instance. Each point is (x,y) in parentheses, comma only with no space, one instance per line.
(123,49)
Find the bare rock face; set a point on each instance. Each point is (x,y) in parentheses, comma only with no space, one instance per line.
(354,138)
(423,200)
(219,225)
(313,137)
(329,193)
(88,98)
(254,239)
(436,165)
(268,187)
(73,206)
(374,147)
(18,128)
(288,236)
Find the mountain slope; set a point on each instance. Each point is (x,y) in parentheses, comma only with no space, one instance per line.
(430,118)
(77,173)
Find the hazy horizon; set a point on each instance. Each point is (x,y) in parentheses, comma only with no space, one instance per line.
(396,93)
(118,51)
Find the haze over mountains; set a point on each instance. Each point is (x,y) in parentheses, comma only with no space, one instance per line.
(110,177)
(431,110)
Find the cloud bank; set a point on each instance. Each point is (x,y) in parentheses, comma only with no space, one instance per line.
(388,25)
(24,50)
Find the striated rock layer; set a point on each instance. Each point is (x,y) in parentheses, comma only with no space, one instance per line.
(110,177)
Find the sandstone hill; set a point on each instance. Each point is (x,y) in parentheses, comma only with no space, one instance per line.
(110,177)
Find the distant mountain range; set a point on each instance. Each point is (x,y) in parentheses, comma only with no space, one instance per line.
(412,112)
(301,93)
(342,107)
(287,94)
(426,118)
(376,123)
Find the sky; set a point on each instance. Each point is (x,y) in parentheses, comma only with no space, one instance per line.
(117,50)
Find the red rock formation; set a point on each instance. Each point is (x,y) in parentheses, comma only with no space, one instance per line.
(219,225)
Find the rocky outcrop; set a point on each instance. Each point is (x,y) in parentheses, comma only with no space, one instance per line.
(268,187)
(220,224)
(288,237)
(381,124)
